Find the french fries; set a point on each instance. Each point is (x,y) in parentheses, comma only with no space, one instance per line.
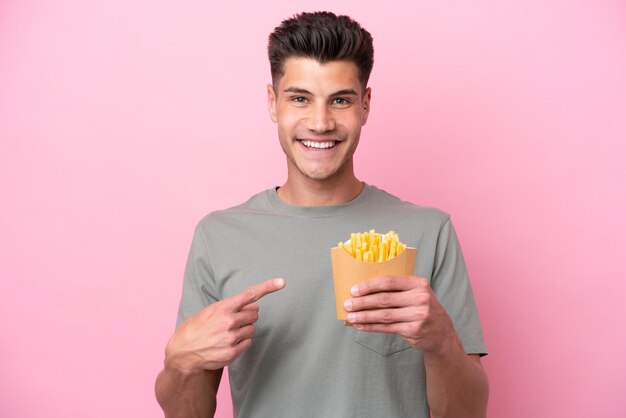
(373,247)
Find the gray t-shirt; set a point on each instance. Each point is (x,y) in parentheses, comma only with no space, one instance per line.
(303,362)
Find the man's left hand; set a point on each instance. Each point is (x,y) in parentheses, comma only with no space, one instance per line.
(403,305)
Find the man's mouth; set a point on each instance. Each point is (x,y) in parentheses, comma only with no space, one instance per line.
(318,144)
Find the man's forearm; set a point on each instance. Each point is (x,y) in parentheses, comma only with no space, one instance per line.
(189,395)
(456,383)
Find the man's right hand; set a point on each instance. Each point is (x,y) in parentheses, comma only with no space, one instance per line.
(217,335)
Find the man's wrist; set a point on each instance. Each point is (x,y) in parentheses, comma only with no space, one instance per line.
(181,363)
(447,348)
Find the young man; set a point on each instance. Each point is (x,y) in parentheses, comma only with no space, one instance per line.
(415,342)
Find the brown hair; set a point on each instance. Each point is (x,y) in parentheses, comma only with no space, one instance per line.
(324,37)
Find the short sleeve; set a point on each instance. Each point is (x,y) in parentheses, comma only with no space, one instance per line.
(199,282)
(451,285)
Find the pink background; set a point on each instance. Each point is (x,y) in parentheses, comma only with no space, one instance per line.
(123,122)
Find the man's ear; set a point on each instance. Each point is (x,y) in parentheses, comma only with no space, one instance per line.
(271,102)
(366,101)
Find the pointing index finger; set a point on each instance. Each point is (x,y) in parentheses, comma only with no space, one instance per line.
(256,292)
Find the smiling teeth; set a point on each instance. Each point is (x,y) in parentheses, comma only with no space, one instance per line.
(318,145)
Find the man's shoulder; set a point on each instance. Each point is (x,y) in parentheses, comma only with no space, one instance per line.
(402,207)
(256,204)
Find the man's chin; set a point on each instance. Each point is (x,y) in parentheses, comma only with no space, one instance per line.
(318,172)
(321,175)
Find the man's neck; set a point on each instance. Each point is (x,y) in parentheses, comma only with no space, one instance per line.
(308,192)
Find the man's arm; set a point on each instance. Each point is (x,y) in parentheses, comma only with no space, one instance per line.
(184,394)
(456,383)
(202,346)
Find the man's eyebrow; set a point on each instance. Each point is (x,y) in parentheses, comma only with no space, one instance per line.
(345,92)
(296,90)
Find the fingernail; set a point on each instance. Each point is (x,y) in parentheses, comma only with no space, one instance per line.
(355,290)
(348,304)
(351,317)
(279,283)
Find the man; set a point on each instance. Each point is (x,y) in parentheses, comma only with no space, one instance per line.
(415,341)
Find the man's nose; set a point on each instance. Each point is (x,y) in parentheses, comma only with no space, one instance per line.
(321,119)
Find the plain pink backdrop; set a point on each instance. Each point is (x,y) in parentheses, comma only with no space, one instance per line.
(123,122)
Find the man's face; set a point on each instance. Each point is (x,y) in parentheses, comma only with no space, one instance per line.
(319,109)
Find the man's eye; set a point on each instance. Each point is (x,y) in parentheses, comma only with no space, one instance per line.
(341,101)
(299,99)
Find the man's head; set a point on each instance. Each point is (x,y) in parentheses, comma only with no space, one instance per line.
(324,37)
(319,97)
